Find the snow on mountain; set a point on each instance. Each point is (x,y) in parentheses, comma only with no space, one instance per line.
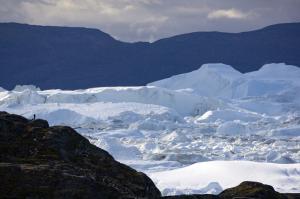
(215,176)
(211,114)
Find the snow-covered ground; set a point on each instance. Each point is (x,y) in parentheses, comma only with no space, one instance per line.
(209,115)
(213,177)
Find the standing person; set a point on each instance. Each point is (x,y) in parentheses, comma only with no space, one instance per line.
(33,116)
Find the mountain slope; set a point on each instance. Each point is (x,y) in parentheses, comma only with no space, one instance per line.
(70,58)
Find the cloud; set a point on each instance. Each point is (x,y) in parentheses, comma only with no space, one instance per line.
(148,20)
(230,14)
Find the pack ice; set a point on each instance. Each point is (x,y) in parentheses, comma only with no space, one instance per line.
(187,124)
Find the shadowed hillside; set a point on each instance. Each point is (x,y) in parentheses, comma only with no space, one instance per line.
(71,58)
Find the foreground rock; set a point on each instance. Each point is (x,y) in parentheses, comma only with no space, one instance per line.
(38,161)
(251,190)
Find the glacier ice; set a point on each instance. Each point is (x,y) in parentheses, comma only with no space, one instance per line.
(212,114)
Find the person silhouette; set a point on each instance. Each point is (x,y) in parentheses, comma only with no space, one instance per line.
(33,116)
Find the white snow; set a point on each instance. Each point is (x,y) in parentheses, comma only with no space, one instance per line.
(215,176)
(212,114)
(232,128)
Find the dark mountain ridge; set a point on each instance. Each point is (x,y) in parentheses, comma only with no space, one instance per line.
(73,58)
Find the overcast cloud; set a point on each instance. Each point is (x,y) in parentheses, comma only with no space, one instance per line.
(149,20)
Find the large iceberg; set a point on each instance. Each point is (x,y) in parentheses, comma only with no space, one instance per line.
(220,80)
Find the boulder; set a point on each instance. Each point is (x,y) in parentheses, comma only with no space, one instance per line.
(249,190)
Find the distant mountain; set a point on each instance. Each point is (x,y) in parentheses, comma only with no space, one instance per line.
(72,58)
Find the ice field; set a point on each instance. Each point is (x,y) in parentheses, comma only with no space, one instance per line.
(210,126)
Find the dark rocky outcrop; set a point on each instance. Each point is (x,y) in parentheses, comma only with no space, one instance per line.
(251,190)
(38,161)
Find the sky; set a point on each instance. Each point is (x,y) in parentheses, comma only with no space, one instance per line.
(150,20)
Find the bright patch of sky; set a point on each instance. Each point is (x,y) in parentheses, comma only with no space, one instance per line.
(149,20)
